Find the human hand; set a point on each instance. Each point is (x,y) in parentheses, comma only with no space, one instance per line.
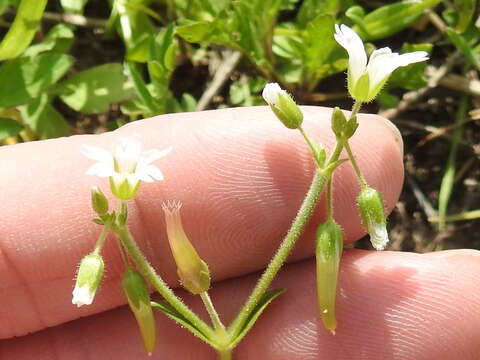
(241,177)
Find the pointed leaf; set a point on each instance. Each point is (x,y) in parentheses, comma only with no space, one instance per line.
(23,28)
(465,10)
(266,299)
(173,314)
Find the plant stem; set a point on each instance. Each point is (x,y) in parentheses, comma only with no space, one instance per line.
(225,354)
(149,272)
(355,108)
(101,239)
(303,216)
(216,322)
(330,199)
(355,166)
(310,144)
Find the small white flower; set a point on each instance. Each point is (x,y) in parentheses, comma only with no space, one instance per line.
(82,296)
(126,167)
(378,235)
(270,93)
(366,79)
(282,104)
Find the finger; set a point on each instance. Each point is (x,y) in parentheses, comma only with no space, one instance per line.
(398,306)
(239,173)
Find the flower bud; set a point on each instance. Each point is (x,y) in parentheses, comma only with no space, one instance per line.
(136,291)
(90,273)
(283,106)
(328,253)
(192,270)
(99,201)
(372,211)
(339,122)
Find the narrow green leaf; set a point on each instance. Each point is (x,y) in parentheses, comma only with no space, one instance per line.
(59,40)
(23,28)
(173,314)
(463,45)
(264,301)
(94,90)
(141,89)
(390,19)
(44,119)
(26,78)
(465,10)
(9,127)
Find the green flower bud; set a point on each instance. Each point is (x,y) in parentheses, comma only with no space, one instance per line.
(89,276)
(372,211)
(283,106)
(191,269)
(136,291)
(328,253)
(99,201)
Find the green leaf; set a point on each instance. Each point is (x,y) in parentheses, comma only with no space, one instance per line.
(59,40)
(390,19)
(266,299)
(141,89)
(9,127)
(26,77)
(465,10)
(319,44)
(188,103)
(310,9)
(173,314)
(73,6)
(42,117)
(23,28)
(463,45)
(411,77)
(93,90)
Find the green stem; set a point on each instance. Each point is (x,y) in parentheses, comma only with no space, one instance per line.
(355,108)
(330,199)
(101,239)
(354,163)
(225,354)
(216,322)
(311,145)
(149,272)
(303,216)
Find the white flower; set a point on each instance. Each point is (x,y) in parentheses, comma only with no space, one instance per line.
(82,296)
(283,105)
(378,235)
(270,93)
(126,167)
(366,79)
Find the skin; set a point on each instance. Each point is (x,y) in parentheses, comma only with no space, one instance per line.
(241,177)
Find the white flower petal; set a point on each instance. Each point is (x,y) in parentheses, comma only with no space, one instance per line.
(150,156)
(412,57)
(97,153)
(101,170)
(357,57)
(378,236)
(154,172)
(270,93)
(82,296)
(381,64)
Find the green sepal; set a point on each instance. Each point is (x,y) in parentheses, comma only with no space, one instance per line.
(339,122)
(173,314)
(253,315)
(288,112)
(98,221)
(99,201)
(320,154)
(351,127)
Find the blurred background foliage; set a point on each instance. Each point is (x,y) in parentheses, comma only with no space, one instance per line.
(88,66)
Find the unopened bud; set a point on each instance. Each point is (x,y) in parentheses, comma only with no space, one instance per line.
(136,291)
(99,201)
(339,122)
(192,270)
(328,253)
(283,105)
(89,276)
(372,211)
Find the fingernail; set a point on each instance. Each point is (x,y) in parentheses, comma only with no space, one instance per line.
(394,131)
